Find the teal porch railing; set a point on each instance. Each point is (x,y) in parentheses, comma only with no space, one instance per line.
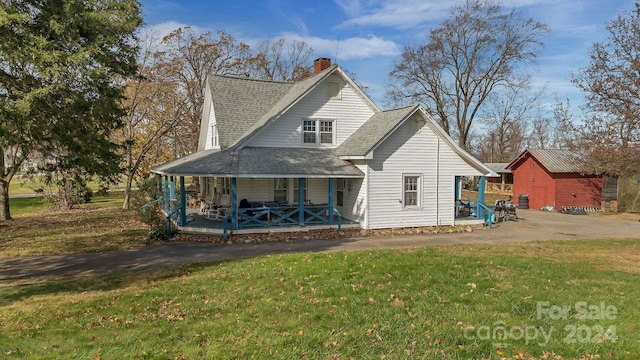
(174,211)
(146,206)
(266,217)
(484,211)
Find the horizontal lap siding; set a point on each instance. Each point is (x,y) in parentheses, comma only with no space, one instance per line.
(575,190)
(532,179)
(212,121)
(350,113)
(409,152)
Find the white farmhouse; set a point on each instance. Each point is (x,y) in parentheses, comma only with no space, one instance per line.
(318,153)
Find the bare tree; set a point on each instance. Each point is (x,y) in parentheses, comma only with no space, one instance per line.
(479,49)
(507,118)
(281,60)
(188,59)
(611,82)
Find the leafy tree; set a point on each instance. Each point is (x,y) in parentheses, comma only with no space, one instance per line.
(61,65)
(154,109)
(478,50)
(611,82)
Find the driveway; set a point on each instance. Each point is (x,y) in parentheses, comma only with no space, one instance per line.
(533,225)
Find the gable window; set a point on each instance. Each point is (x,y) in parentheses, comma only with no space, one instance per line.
(318,132)
(411,193)
(214,136)
(333,90)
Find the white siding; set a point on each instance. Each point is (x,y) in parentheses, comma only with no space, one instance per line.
(355,197)
(254,189)
(212,121)
(413,149)
(349,112)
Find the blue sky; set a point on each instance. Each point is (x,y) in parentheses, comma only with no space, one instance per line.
(367,36)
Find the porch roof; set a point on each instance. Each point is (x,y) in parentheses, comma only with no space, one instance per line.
(257,162)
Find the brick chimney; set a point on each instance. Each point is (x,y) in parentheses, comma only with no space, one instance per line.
(320,64)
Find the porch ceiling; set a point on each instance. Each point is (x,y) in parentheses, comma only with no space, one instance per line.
(254,162)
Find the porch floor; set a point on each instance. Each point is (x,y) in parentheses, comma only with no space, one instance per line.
(198,224)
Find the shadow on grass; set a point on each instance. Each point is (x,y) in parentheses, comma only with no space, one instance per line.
(77,284)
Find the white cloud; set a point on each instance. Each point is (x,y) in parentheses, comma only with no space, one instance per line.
(350,48)
(399,14)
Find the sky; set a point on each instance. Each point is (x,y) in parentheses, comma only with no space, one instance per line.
(367,37)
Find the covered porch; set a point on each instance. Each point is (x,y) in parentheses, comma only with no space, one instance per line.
(308,193)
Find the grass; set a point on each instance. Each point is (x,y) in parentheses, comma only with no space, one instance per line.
(98,226)
(28,186)
(453,302)
(429,303)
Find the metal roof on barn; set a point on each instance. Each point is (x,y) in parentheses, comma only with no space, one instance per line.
(554,160)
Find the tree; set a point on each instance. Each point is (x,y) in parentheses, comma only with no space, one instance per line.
(187,59)
(507,117)
(478,50)
(611,83)
(282,61)
(154,108)
(61,66)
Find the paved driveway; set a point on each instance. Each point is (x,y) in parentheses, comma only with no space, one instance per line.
(534,225)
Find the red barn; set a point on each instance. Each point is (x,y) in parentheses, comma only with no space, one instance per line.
(554,177)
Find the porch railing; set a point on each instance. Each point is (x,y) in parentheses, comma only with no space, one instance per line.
(486,212)
(174,211)
(266,217)
(496,188)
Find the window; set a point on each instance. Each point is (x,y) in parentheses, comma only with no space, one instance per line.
(333,90)
(411,191)
(214,136)
(309,132)
(280,189)
(318,132)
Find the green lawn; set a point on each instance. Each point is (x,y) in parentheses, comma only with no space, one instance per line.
(548,300)
(454,302)
(98,226)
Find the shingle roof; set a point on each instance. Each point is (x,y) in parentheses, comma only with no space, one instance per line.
(293,93)
(363,140)
(555,160)
(239,103)
(262,162)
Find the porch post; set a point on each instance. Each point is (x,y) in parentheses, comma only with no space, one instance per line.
(183,202)
(481,188)
(234,203)
(166,194)
(172,188)
(301,201)
(331,200)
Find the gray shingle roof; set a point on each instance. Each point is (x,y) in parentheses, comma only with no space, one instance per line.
(239,103)
(363,140)
(294,92)
(262,162)
(555,160)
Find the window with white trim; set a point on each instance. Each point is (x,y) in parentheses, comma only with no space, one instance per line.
(318,131)
(214,136)
(411,192)
(280,186)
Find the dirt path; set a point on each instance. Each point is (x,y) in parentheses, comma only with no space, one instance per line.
(533,225)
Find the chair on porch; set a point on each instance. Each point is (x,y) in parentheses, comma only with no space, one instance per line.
(219,210)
